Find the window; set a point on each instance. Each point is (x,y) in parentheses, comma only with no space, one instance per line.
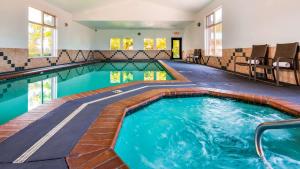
(127,44)
(148,44)
(41,92)
(41,33)
(214,33)
(161,43)
(115,44)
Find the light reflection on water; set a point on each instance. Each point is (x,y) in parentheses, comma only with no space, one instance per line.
(21,95)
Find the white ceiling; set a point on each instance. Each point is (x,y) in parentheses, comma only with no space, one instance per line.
(180,8)
(75,6)
(136,24)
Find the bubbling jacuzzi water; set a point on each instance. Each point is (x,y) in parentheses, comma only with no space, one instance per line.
(204,132)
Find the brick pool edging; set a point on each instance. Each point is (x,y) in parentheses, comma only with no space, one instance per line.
(95,149)
(12,127)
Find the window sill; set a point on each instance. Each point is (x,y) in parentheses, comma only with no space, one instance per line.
(42,57)
(213,56)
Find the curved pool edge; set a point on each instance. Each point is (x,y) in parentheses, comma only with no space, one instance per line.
(111,118)
(14,126)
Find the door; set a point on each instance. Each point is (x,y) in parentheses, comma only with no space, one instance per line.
(176,48)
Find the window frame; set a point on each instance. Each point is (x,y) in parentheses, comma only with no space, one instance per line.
(208,27)
(43,25)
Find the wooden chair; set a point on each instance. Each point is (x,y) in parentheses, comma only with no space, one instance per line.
(195,58)
(258,56)
(286,57)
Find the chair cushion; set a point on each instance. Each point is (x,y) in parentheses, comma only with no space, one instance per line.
(195,56)
(253,62)
(282,64)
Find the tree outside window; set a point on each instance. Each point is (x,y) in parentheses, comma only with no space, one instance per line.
(41,33)
(148,44)
(161,43)
(127,44)
(115,44)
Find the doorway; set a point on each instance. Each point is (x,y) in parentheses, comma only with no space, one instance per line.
(176,48)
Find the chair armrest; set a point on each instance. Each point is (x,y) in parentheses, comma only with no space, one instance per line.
(280,59)
(263,59)
(284,59)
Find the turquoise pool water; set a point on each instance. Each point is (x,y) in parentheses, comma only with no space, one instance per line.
(204,133)
(20,95)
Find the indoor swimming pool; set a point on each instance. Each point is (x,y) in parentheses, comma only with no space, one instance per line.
(21,95)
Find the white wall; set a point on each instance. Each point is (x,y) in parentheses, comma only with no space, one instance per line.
(103,37)
(14,26)
(247,22)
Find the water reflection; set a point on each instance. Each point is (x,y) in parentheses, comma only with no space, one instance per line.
(18,96)
(115,77)
(150,75)
(161,75)
(127,77)
(41,92)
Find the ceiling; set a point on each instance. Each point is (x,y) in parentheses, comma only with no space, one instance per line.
(74,6)
(136,24)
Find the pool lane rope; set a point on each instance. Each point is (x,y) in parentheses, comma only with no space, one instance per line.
(35,147)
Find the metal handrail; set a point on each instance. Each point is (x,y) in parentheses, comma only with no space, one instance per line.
(285,124)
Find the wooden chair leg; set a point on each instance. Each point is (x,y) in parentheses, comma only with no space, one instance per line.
(255,72)
(202,60)
(188,60)
(273,73)
(296,76)
(277,76)
(250,71)
(266,75)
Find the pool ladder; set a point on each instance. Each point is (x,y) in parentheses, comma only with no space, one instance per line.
(285,124)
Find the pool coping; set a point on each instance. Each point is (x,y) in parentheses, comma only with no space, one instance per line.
(14,126)
(95,149)
(34,71)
